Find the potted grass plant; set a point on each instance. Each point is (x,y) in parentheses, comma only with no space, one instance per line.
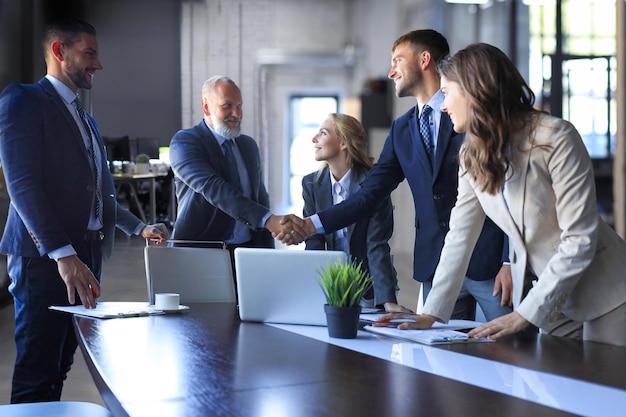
(343,284)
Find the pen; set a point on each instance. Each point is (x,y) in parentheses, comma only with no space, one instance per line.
(93,292)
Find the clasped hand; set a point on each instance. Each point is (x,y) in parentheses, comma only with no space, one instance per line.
(289,229)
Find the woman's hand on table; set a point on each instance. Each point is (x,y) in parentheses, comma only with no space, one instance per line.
(502,326)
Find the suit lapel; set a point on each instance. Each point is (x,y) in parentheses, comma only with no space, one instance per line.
(516,185)
(355,185)
(214,150)
(58,102)
(323,199)
(443,142)
(323,191)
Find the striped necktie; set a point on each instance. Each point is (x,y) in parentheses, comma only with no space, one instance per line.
(425,131)
(92,146)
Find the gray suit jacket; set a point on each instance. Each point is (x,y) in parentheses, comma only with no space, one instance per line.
(368,237)
(554,230)
(208,206)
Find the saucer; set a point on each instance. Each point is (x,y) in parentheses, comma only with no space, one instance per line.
(172,310)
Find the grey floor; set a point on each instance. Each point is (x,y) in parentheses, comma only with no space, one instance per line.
(123,279)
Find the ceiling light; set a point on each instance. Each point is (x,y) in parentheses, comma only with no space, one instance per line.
(468,1)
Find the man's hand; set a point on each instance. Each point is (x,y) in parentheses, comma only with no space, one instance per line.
(78,278)
(502,326)
(155,232)
(504,284)
(303,228)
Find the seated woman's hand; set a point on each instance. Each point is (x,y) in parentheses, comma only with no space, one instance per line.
(502,326)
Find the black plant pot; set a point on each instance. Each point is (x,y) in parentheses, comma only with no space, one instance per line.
(343,322)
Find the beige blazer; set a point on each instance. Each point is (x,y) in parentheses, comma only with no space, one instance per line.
(550,215)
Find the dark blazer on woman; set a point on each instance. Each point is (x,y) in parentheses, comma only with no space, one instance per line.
(368,237)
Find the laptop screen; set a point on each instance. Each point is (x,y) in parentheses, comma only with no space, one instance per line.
(281,286)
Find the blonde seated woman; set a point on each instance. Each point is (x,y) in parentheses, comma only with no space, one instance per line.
(341,143)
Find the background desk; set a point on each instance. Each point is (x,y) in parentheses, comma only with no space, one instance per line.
(205,362)
(131,181)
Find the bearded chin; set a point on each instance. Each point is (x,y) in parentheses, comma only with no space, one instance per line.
(225,131)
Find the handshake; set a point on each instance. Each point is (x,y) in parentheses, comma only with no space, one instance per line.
(290,229)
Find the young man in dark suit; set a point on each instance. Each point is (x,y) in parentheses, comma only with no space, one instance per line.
(63,208)
(424,152)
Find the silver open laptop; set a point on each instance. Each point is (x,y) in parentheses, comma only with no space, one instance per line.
(280,286)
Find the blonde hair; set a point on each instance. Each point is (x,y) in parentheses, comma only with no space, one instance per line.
(351,132)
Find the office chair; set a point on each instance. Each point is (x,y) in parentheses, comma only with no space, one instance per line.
(198,274)
(54,409)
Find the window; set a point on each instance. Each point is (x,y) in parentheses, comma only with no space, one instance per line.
(306,113)
(581,54)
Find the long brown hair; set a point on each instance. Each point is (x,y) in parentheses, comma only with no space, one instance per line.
(499,104)
(351,132)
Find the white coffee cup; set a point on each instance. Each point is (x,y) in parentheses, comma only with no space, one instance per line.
(166,301)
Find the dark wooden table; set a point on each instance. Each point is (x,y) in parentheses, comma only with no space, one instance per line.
(205,362)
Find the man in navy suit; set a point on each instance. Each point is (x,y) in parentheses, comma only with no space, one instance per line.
(219,198)
(63,208)
(433,181)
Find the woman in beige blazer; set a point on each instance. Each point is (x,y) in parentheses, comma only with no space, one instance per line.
(531,174)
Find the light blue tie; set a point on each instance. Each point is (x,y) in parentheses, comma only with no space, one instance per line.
(425,131)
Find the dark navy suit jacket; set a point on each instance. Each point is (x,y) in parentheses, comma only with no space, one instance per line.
(368,237)
(49,176)
(207,203)
(434,194)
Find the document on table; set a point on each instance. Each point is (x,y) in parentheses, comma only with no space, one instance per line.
(410,317)
(438,335)
(114,309)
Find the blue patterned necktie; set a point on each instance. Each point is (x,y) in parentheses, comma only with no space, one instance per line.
(425,131)
(91,149)
(233,172)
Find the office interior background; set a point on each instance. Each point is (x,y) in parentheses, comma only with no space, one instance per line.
(296,60)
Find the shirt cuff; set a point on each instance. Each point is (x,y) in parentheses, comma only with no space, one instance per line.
(62,252)
(319,228)
(139,228)
(264,220)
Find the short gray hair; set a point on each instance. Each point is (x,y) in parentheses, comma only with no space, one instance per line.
(209,85)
